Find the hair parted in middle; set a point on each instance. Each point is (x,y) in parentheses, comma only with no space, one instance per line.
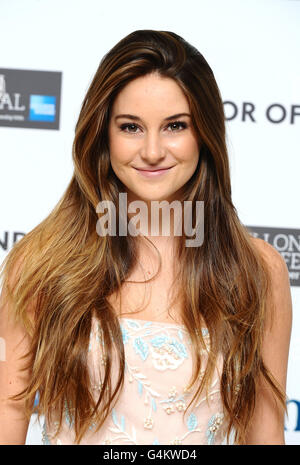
(70,270)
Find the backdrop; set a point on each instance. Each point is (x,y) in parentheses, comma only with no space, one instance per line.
(50,50)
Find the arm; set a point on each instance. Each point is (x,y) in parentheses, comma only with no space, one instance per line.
(267,424)
(14,344)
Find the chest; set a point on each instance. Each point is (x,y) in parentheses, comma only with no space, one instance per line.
(153,300)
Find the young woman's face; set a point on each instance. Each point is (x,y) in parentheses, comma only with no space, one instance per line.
(152,138)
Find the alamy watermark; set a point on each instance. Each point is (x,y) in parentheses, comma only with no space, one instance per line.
(181,218)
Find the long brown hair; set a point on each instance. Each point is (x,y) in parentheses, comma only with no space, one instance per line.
(69,270)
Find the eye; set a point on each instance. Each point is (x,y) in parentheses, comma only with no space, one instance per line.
(123,127)
(177,123)
(175,126)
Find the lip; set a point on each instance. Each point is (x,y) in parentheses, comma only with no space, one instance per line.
(153,172)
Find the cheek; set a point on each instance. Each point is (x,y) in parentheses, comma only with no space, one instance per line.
(187,152)
(120,150)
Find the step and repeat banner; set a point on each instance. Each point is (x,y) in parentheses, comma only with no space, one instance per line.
(50,50)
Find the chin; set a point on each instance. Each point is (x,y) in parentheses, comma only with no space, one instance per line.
(158,198)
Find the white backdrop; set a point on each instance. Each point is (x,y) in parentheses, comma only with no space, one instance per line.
(253,49)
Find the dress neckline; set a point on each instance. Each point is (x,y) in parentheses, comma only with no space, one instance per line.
(160,323)
(163,323)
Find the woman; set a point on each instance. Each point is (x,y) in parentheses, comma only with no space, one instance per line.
(139,338)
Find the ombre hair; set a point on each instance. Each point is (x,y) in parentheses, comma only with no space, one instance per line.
(68,270)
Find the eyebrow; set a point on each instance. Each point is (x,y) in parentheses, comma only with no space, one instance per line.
(137,118)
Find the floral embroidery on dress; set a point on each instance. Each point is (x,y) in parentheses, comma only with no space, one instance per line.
(166,352)
(213,426)
(141,347)
(192,426)
(125,334)
(68,416)
(45,438)
(120,429)
(174,402)
(158,367)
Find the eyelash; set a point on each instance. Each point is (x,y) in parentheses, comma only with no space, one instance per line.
(126,125)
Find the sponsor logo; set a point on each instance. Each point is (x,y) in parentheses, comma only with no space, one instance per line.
(30,99)
(42,108)
(287,242)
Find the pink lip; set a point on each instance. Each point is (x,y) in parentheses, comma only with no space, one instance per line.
(153,173)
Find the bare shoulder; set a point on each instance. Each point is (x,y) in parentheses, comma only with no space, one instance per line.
(280,294)
(273,258)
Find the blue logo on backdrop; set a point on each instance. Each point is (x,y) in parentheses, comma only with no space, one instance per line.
(29,98)
(295,411)
(42,108)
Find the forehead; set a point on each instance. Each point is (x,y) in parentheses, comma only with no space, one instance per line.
(151,92)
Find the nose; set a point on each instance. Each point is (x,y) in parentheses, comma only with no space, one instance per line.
(153,149)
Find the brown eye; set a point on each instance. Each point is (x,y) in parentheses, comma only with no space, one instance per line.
(177,124)
(129,126)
